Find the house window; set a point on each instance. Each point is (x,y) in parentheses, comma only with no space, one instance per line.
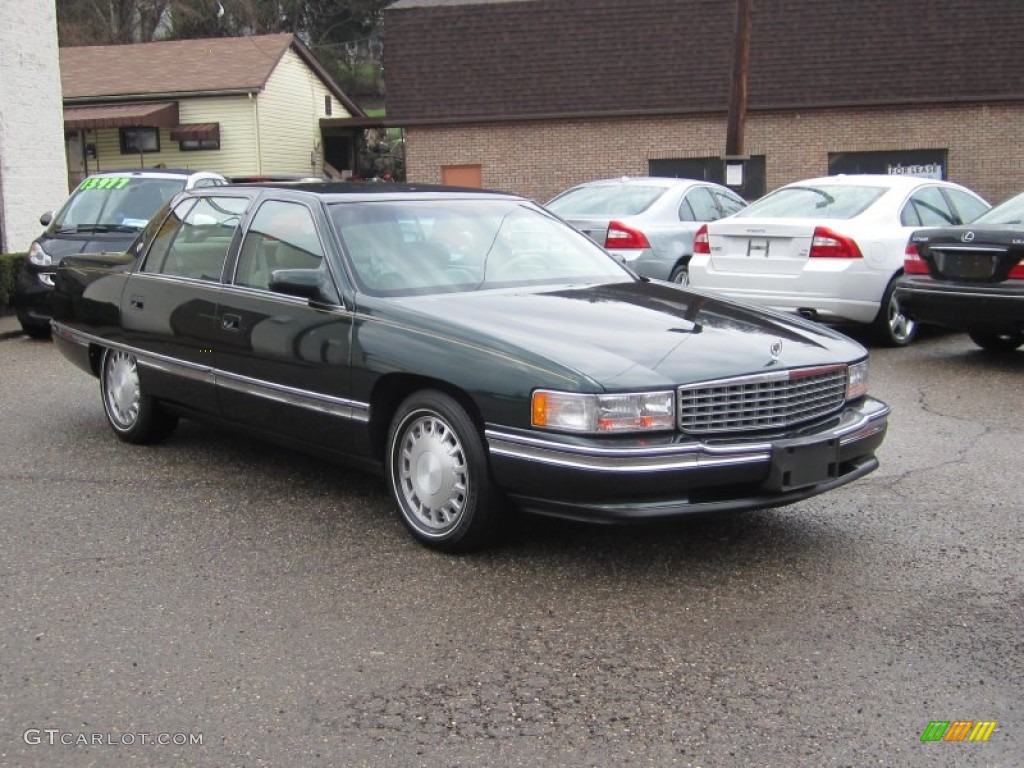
(327,104)
(135,140)
(195,145)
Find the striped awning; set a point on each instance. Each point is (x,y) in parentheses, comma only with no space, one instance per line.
(196,132)
(163,114)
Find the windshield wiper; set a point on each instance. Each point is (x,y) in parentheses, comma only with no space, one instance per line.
(97,229)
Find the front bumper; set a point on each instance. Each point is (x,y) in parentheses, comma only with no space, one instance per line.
(655,478)
(31,299)
(978,307)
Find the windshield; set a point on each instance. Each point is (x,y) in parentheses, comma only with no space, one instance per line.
(440,246)
(814,202)
(1008,212)
(114,204)
(605,200)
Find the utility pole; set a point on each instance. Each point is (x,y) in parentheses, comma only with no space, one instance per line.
(734,145)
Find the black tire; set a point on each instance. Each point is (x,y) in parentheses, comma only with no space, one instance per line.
(681,274)
(439,476)
(134,416)
(40,332)
(892,327)
(1007,341)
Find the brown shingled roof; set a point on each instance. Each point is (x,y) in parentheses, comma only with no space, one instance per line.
(521,59)
(172,68)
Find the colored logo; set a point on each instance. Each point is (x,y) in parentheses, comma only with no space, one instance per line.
(958,730)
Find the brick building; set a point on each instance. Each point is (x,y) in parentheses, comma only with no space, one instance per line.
(535,95)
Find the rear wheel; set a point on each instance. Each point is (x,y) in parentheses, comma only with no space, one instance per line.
(438,473)
(134,416)
(892,326)
(681,274)
(998,342)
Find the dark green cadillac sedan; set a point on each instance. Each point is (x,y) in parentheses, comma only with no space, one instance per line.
(476,349)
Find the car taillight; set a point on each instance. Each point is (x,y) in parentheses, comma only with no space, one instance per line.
(701,243)
(831,245)
(620,236)
(1017,273)
(913,264)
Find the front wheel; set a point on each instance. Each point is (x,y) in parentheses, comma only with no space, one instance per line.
(892,326)
(998,342)
(438,473)
(134,415)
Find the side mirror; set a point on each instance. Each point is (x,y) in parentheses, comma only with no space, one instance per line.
(304,283)
(46,218)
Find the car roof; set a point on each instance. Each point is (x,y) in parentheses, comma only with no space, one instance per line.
(367,190)
(152,173)
(644,181)
(890,181)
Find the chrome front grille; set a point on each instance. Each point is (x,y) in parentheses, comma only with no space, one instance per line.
(763,401)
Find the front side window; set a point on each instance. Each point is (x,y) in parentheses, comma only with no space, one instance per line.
(423,247)
(824,201)
(729,204)
(927,207)
(701,205)
(282,236)
(968,207)
(193,241)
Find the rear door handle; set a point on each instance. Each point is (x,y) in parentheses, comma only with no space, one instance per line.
(231,322)
(137,302)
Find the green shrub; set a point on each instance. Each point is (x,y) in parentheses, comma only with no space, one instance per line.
(10,263)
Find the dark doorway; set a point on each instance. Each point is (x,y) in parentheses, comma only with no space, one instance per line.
(713,169)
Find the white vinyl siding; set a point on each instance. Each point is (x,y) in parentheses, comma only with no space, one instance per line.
(290,109)
(237,154)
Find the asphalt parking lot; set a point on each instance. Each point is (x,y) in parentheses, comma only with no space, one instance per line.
(271,607)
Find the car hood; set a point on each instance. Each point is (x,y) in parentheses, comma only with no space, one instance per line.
(59,246)
(631,335)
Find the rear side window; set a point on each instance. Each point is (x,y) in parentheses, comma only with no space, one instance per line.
(193,241)
(605,200)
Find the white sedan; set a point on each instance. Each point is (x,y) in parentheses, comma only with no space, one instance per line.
(829,248)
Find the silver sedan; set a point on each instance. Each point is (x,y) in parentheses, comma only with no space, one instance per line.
(647,221)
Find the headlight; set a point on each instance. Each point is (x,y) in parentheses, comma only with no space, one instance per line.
(600,414)
(38,256)
(857,380)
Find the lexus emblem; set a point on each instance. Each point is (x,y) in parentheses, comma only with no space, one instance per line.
(968,236)
(776,349)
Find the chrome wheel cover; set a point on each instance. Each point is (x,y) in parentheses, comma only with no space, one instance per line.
(121,392)
(431,474)
(901,327)
(682,277)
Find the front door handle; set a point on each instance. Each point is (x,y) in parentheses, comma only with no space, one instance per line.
(231,322)
(137,302)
